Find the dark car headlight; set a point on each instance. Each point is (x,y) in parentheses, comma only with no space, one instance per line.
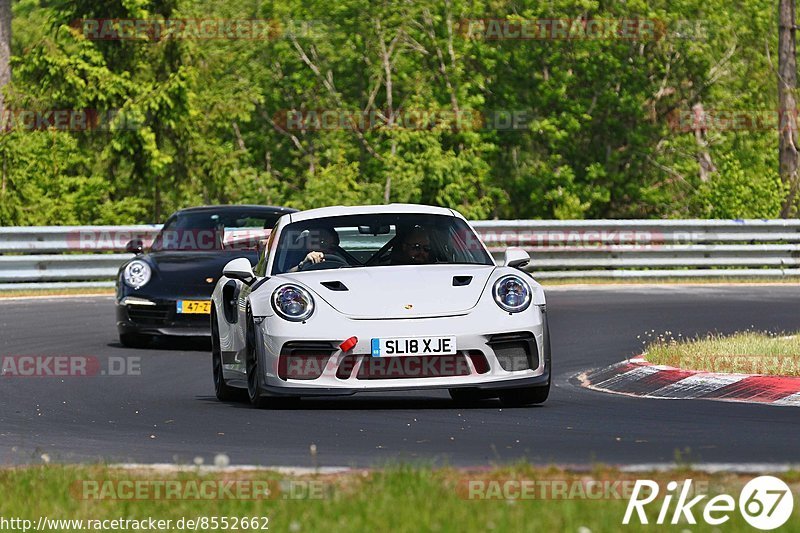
(293,303)
(512,293)
(136,274)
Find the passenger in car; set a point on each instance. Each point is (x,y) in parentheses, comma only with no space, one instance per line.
(413,248)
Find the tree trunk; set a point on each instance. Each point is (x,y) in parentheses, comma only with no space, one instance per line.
(787,82)
(5,70)
(703,157)
(5,47)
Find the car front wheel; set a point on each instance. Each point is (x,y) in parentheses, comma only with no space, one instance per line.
(254,389)
(223,391)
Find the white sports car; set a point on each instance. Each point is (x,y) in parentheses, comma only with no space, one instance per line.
(379,298)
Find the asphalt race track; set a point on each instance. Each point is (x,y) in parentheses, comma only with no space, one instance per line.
(169,414)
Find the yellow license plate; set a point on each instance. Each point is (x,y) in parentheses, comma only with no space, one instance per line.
(194,307)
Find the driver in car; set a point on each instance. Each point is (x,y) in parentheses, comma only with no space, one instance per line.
(320,241)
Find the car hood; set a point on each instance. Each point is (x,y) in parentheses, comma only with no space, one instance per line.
(192,268)
(399,291)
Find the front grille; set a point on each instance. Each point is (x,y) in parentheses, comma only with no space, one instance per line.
(478,361)
(515,351)
(412,367)
(150,314)
(191,318)
(346,366)
(304,360)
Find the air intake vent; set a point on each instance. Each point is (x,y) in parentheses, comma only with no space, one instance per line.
(515,351)
(461,281)
(304,360)
(335,285)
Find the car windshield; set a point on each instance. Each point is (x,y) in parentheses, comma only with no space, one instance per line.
(215,230)
(377,240)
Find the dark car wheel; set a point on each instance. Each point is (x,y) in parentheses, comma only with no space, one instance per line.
(134,340)
(224,392)
(525,396)
(254,389)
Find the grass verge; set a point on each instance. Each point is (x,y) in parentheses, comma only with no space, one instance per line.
(747,352)
(56,292)
(400,498)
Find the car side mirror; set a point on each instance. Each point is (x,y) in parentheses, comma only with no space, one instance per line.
(135,246)
(516,257)
(240,269)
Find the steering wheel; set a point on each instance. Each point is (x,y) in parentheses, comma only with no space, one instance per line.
(329,261)
(380,255)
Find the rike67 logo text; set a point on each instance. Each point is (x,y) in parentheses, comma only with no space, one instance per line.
(765,503)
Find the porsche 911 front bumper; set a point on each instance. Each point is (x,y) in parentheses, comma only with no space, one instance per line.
(514,353)
(160,318)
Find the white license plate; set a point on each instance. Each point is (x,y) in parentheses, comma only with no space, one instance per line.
(400,346)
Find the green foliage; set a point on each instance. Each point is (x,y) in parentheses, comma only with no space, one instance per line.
(200,121)
(734,192)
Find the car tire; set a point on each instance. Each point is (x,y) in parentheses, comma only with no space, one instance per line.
(223,391)
(525,396)
(255,391)
(134,340)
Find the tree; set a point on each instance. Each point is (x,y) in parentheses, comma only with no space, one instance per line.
(5,47)
(5,68)
(787,84)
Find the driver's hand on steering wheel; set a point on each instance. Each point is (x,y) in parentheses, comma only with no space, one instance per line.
(314,257)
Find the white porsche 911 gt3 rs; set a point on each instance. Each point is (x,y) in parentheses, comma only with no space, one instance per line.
(379,298)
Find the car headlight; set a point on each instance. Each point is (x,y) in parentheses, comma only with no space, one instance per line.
(293,303)
(136,274)
(512,294)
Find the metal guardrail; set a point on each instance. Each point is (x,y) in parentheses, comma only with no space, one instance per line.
(55,257)
(71,256)
(58,239)
(651,248)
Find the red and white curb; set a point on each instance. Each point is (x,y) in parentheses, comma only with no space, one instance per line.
(637,377)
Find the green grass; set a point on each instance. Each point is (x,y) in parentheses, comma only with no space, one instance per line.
(57,292)
(747,352)
(400,498)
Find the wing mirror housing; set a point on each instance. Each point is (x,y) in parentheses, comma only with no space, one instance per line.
(516,257)
(135,246)
(240,269)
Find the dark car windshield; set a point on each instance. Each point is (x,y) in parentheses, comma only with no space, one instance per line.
(378,240)
(215,230)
